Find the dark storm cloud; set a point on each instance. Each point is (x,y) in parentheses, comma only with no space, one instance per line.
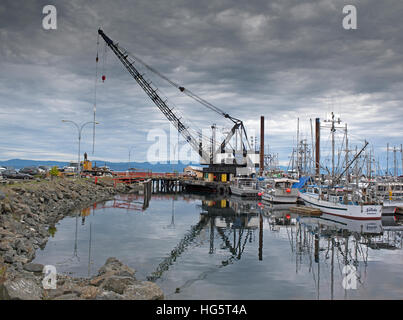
(282,59)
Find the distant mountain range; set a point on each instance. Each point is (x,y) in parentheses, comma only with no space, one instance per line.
(115,166)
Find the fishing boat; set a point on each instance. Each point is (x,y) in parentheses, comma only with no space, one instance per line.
(280,191)
(340,202)
(244,187)
(391,194)
(356,202)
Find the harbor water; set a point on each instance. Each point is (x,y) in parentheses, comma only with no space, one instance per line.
(195,247)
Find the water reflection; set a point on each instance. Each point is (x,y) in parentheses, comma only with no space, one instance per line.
(336,240)
(234,220)
(182,240)
(313,240)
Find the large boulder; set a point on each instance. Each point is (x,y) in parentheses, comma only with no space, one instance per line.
(117,284)
(33,267)
(21,289)
(143,290)
(116,281)
(90,292)
(113,266)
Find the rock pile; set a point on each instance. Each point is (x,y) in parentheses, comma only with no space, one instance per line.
(28,212)
(114,281)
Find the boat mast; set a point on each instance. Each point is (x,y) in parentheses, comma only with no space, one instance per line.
(333,129)
(317,147)
(356,169)
(370,164)
(347,173)
(297,150)
(394,162)
(401,153)
(312,163)
(387,159)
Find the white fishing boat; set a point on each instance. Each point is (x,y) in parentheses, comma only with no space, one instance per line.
(280,191)
(340,203)
(244,187)
(391,194)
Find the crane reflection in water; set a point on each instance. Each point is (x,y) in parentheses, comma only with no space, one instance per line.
(233,222)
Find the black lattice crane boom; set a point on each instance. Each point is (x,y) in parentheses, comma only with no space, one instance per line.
(128,62)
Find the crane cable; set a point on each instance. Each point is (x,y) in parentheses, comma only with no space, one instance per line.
(194,129)
(190,94)
(184,90)
(95,97)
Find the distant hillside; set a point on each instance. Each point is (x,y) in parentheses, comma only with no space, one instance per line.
(115,166)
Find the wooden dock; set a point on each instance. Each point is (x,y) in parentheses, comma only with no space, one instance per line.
(306,211)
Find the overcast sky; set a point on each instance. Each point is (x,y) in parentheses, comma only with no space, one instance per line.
(282,59)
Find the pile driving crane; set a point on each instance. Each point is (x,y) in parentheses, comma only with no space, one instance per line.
(207,157)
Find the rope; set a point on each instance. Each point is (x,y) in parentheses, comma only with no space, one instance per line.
(95,97)
(104,59)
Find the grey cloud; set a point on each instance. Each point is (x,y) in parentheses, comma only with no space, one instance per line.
(282,59)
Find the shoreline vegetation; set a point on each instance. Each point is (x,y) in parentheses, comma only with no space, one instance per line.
(29,212)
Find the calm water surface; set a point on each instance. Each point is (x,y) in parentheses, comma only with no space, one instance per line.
(198,248)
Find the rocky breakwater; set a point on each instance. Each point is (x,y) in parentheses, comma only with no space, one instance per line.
(28,212)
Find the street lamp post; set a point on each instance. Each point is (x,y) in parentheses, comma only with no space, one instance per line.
(79,128)
(130,150)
